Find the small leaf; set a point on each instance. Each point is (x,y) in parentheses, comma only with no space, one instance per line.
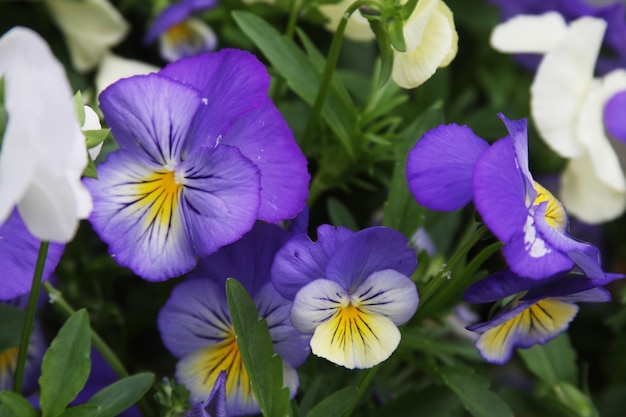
(11,324)
(14,405)
(386,52)
(395,27)
(265,369)
(86,410)
(66,365)
(552,362)
(95,137)
(336,403)
(90,170)
(474,393)
(340,215)
(120,395)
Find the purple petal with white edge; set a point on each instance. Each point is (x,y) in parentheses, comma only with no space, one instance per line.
(388,293)
(18,255)
(137,212)
(263,136)
(150,115)
(500,190)
(614,120)
(231,83)
(594,295)
(215,405)
(368,251)
(248,260)
(523,326)
(301,260)
(317,303)
(220,198)
(174,14)
(439,167)
(195,315)
(497,286)
(518,135)
(289,343)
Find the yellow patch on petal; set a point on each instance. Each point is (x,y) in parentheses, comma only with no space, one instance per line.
(179,33)
(355,338)
(160,193)
(555,212)
(8,360)
(541,320)
(200,371)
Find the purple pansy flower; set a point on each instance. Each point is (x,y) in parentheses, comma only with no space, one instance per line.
(525,216)
(612,13)
(18,255)
(195,322)
(538,311)
(203,154)
(349,290)
(181,35)
(215,405)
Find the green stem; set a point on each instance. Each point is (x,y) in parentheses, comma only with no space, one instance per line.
(30,317)
(56,297)
(291,28)
(329,69)
(362,385)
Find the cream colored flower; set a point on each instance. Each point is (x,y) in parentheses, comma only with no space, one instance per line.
(90,27)
(357,29)
(431,43)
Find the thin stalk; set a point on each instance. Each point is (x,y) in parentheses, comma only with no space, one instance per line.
(107,353)
(291,28)
(362,385)
(30,317)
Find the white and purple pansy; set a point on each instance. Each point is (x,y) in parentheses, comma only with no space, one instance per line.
(350,291)
(203,154)
(537,311)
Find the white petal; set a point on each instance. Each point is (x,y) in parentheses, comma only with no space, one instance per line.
(562,83)
(43,147)
(357,29)
(436,43)
(586,196)
(316,303)
(415,25)
(113,68)
(529,34)
(90,27)
(92,122)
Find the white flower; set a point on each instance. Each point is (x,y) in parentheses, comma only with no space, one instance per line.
(113,68)
(90,27)
(43,150)
(431,42)
(357,29)
(567,105)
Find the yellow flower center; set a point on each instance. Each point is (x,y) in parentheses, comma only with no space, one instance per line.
(8,360)
(555,212)
(160,192)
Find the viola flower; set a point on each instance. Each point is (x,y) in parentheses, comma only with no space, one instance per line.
(215,405)
(203,154)
(611,11)
(525,216)
(431,42)
(578,116)
(538,312)
(18,256)
(196,327)
(349,290)
(179,34)
(90,27)
(43,149)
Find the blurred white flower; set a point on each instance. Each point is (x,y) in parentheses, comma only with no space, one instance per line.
(568,108)
(113,68)
(90,27)
(357,29)
(43,149)
(431,42)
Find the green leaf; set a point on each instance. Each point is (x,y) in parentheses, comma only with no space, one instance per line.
(575,400)
(95,137)
(336,403)
(553,362)
(66,365)
(90,170)
(11,324)
(300,73)
(386,52)
(14,405)
(340,215)
(396,32)
(432,401)
(86,410)
(120,395)
(79,106)
(265,369)
(474,393)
